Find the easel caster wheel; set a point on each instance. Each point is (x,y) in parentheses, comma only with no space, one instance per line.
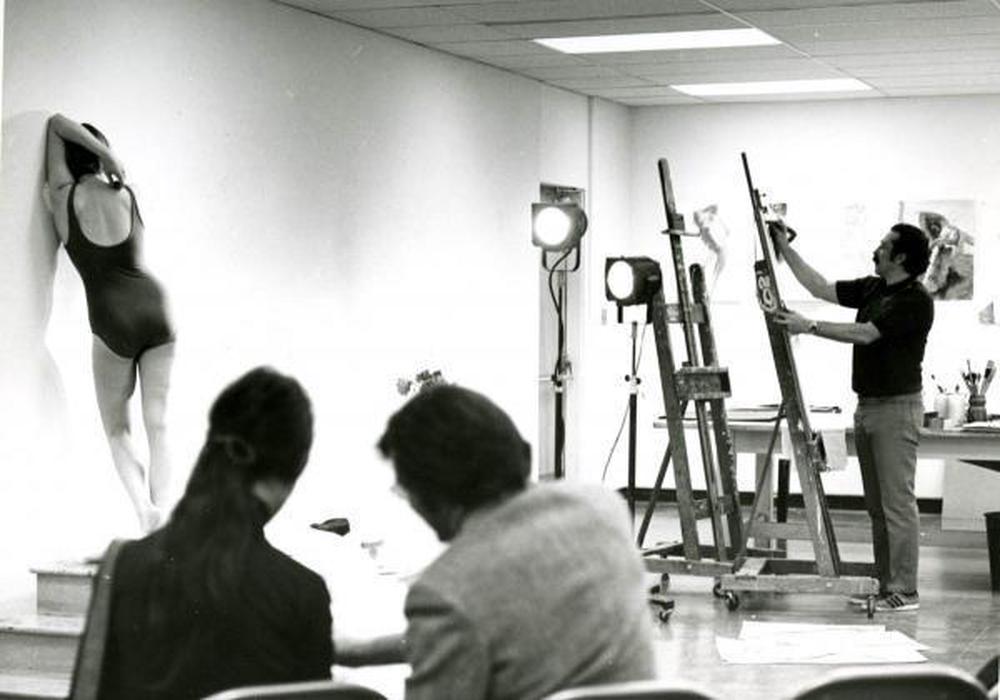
(717,589)
(732,600)
(870,606)
(664,615)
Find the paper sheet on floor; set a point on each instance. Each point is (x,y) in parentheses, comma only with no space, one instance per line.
(795,643)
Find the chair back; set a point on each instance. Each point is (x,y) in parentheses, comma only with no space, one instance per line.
(923,682)
(313,690)
(88,669)
(635,690)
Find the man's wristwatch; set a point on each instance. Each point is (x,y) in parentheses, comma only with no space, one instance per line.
(813,327)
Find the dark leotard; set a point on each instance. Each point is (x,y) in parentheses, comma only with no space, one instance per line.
(126,305)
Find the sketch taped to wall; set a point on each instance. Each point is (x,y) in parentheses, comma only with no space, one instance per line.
(951,226)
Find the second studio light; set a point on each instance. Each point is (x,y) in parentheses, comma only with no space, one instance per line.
(631,281)
(557,227)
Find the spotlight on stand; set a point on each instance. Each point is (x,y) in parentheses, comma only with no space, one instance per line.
(558,228)
(631,281)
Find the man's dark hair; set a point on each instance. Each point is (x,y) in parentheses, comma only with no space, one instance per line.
(454,445)
(915,245)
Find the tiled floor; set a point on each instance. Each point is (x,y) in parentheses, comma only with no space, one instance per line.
(959,620)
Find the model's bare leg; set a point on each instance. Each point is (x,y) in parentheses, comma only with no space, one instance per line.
(154,379)
(114,380)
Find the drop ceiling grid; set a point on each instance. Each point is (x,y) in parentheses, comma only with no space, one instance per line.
(896,46)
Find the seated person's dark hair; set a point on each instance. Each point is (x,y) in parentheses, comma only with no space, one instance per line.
(206,603)
(915,245)
(455,445)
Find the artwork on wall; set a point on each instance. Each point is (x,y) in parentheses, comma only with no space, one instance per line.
(714,234)
(950,224)
(835,237)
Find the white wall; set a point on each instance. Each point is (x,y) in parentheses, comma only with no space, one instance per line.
(347,207)
(820,157)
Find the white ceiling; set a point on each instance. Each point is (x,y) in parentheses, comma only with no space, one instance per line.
(898,47)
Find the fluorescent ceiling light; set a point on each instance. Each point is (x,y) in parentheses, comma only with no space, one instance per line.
(772,87)
(659,41)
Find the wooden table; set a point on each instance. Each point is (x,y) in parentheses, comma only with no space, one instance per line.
(752,437)
(983,449)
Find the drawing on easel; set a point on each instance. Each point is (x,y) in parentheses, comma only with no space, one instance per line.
(951,226)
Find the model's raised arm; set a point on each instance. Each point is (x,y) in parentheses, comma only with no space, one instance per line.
(62,129)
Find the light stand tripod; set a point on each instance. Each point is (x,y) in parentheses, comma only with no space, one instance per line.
(633,414)
(558,224)
(561,371)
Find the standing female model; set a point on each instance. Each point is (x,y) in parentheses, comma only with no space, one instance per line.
(98,220)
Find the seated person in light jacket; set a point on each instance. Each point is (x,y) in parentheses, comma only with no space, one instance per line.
(541,588)
(205,603)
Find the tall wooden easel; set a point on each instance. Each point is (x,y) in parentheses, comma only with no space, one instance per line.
(701,381)
(826,573)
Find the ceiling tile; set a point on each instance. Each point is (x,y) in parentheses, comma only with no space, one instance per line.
(941,70)
(806,36)
(538,60)
(442,34)
(896,45)
(558,10)
(693,55)
(954,81)
(737,75)
(876,12)
(594,83)
(573,71)
(940,90)
(401,17)
(741,5)
(766,67)
(918,58)
(678,23)
(657,101)
(485,49)
(641,91)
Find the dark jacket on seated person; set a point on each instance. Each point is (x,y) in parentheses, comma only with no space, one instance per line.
(282,632)
(540,593)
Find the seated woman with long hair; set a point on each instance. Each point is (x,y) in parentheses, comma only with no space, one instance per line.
(205,603)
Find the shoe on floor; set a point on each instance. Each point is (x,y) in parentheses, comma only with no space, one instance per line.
(897,602)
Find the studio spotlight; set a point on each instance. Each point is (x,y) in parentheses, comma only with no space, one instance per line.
(631,281)
(557,227)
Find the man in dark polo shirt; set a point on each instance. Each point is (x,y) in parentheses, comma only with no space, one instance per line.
(895,314)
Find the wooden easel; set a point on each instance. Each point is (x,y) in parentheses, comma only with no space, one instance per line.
(826,573)
(701,381)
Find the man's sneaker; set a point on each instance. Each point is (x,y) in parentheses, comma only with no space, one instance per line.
(897,602)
